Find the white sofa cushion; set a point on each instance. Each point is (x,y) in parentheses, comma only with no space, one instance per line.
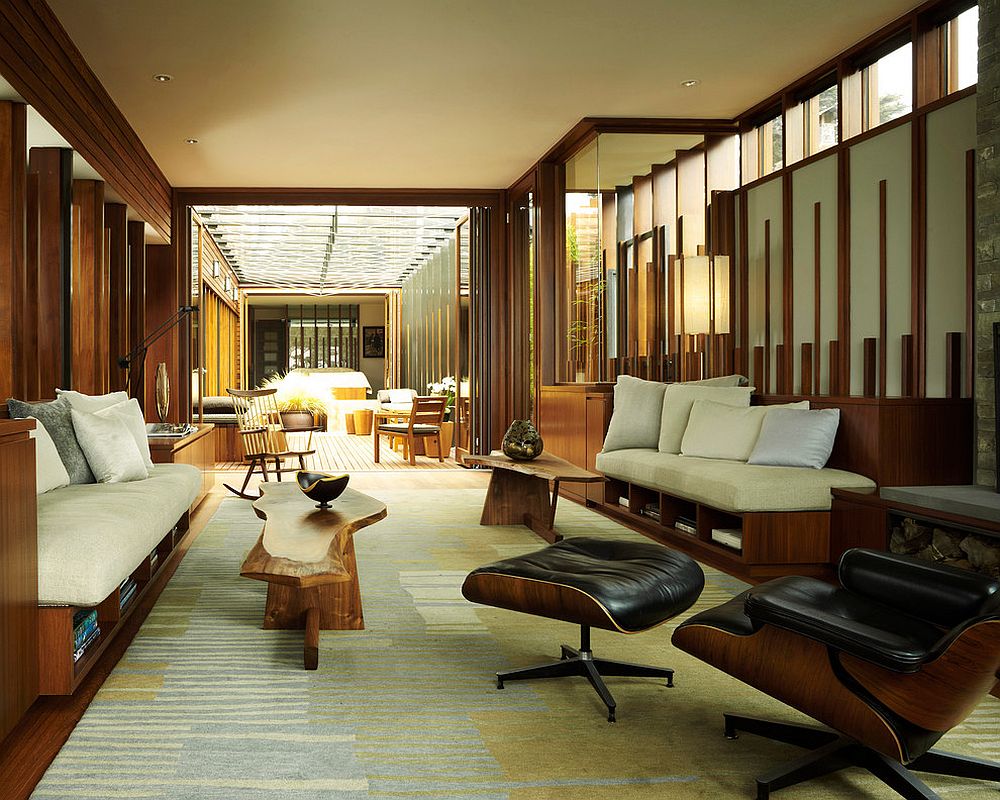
(716,430)
(91,402)
(792,438)
(635,421)
(50,472)
(722,380)
(677,402)
(92,536)
(130,413)
(110,449)
(730,485)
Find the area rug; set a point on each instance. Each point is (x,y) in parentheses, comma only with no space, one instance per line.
(205,704)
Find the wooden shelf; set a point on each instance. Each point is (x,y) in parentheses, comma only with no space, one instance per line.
(58,674)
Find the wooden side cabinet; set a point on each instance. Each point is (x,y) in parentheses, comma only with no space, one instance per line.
(573,419)
(18,573)
(197,449)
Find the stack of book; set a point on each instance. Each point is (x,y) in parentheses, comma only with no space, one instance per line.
(728,537)
(126,592)
(154,559)
(686,525)
(85,631)
(652,510)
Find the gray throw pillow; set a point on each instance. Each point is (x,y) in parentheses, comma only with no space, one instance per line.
(58,421)
(635,421)
(792,437)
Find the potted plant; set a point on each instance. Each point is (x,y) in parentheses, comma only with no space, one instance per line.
(445,388)
(299,404)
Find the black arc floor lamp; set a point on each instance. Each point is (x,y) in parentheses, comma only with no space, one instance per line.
(138,353)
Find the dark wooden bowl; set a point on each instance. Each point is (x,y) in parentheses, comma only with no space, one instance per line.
(321,486)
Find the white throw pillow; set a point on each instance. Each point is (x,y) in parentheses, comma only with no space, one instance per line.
(91,403)
(677,402)
(110,449)
(635,421)
(717,430)
(401,396)
(794,438)
(50,472)
(722,380)
(130,412)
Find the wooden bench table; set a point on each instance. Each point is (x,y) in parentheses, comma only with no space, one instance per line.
(306,555)
(518,493)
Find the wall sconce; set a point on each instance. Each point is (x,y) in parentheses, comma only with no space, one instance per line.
(697,271)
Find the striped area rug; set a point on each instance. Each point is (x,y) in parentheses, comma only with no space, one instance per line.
(207,706)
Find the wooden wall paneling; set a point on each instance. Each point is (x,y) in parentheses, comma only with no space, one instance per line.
(743,282)
(882,292)
(907,374)
(767,305)
(547,249)
(835,374)
(15,358)
(89,309)
(40,61)
(759,356)
(18,574)
(870,348)
(953,365)
(807,368)
(780,375)
(119,288)
(970,270)
(918,255)
(30,358)
(52,227)
(161,304)
(135,235)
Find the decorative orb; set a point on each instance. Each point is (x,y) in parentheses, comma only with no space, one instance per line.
(321,486)
(522,441)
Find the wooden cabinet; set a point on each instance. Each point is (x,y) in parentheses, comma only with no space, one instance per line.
(197,449)
(573,419)
(18,573)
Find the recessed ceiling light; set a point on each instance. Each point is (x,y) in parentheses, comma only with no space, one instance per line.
(689,83)
(162,77)
(190,141)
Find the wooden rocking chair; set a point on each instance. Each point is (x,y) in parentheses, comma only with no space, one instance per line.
(265,437)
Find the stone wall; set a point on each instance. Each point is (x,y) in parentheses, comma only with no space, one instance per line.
(945,545)
(987,235)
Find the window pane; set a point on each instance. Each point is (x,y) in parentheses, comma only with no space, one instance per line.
(889,84)
(778,143)
(962,46)
(823,115)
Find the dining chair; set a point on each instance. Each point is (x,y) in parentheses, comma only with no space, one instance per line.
(424,422)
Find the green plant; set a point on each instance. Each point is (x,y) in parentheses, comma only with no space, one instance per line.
(295,392)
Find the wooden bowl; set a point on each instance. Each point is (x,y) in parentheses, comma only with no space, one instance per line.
(321,486)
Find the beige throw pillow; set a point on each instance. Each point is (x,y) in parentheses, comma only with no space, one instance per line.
(110,449)
(677,402)
(130,412)
(91,403)
(50,472)
(717,430)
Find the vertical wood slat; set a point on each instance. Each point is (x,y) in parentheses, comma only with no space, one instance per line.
(786,364)
(767,306)
(30,358)
(843,365)
(817,361)
(52,228)
(970,268)
(135,234)
(89,308)
(953,365)
(17,358)
(807,369)
(779,373)
(883,319)
(743,232)
(758,367)
(871,366)
(834,360)
(907,373)
(918,254)
(119,298)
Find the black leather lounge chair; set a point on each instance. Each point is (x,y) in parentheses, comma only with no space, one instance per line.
(624,586)
(892,659)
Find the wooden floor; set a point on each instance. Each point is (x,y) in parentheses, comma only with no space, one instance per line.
(341,452)
(29,749)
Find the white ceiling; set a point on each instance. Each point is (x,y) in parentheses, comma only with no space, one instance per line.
(396,93)
(324,248)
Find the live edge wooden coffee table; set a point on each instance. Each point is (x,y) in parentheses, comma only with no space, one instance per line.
(519,490)
(307,558)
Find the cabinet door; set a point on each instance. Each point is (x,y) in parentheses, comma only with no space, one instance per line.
(18,580)
(598,417)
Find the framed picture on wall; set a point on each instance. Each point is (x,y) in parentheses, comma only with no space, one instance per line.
(373,339)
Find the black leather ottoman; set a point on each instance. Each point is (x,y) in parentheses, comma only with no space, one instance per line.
(616,585)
